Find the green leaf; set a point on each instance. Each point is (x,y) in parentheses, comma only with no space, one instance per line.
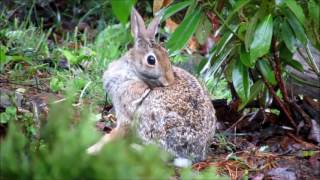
(2,54)
(71,58)
(217,62)
(314,11)
(295,64)
(222,43)
(267,71)
(172,9)
(250,30)
(288,36)
(3,57)
(203,30)
(262,39)
(9,114)
(55,84)
(296,9)
(235,9)
(185,30)
(245,57)
(296,27)
(255,89)
(241,80)
(122,9)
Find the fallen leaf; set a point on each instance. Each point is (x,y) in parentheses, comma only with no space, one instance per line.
(315,163)
(315,131)
(281,173)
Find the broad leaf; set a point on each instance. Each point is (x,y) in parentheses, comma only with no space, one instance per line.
(245,57)
(172,9)
(122,9)
(241,80)
(295,64)
(185,30)
(262,39)
(239,4)
(250,31)
(222,43)
(267,71)
(71,58)
(255,89)
(296,9)
(208,71)
(288,36)
(296,27)
(203,31)
(314,11)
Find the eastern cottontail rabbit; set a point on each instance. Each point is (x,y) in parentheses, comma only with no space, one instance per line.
(168,106)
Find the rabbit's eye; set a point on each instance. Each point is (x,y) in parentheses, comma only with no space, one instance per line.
(151,60)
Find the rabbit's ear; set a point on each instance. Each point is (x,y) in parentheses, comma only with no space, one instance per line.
(138,27)
(153,27)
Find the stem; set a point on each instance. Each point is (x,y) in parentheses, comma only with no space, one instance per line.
(279,103)
(312,62)
(277,69)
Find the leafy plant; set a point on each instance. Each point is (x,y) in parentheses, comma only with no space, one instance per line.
(56,84)
(63,144)
(111,42)
(256,45)
(10,113)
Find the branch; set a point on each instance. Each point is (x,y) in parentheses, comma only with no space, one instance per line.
(277,69)
(280,103)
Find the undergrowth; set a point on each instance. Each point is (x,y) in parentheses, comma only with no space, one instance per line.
(35,57)
(60,152)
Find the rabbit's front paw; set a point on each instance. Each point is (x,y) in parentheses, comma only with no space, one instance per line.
(94,149)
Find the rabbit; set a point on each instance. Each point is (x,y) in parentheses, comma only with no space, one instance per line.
(164,104)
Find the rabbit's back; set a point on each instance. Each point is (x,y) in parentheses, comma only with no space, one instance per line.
(179,117)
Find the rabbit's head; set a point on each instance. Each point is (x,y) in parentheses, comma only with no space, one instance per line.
(150,60)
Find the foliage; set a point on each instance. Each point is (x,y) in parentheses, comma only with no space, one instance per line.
(253,34)
(250,36)
(55,13)
(58,149)
(9,114)
(111,42)
(60,152)
(122,9)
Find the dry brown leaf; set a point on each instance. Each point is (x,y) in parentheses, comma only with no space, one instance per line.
(171,25)
(193,44)
(167,2)
(157,5)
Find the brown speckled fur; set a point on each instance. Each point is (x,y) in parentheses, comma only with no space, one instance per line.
(180,117)
(166,104)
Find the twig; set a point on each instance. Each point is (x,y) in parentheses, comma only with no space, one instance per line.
(304,115)
(306,144)
(5,81)
(237,122)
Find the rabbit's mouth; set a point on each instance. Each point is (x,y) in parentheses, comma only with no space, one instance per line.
(152,80)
